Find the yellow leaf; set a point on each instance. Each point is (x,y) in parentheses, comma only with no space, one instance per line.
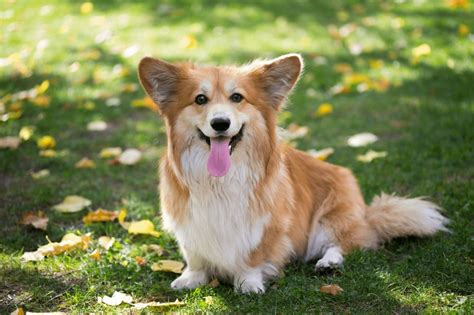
(122,215)
(46,142)
(95,255)
(463,30)
(130,157)
(116,299)
(106,242)
(420,51)
(26,132)
(72,204)
(47,153)
(332,289)
(87,7)
(323,110)
(370,156)
(110,152)
(139,306)
(69,242)
(142,227)
(43,87)
(209,300)
(85,163)
(145,102)
(458,4)
(38,220)
(40,174)
(41,101)
(100,215)
(9,143)
(168,265)
(342,68)
(375,63)
(18,311)
(321,154)
(189,42)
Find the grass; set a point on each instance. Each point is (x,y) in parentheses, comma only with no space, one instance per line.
(424,119)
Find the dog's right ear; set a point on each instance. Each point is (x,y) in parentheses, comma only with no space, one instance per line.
(159,79)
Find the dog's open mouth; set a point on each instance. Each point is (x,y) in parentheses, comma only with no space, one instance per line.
(221,148)
(233,141)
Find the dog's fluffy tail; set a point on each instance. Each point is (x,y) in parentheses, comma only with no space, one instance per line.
(391,216)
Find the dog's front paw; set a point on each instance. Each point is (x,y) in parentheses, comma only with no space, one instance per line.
(331,260)
(190,280)
(250,282)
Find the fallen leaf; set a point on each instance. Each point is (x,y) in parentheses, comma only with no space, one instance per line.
(168,265)
(342,68)
(214,283)
(323,110)
(47,153)
(40,174)
(87,7)
(142,227)
(322,154)
(122,215)
(41,100)
(9,143)
(362,139)
(420,51)
(106,242)
(69,242)
(72,204)
(209,300)
(85,163)
(145,102)
(458,4)
(130,157)
(97,125)
(26,133)
(140,306)
(295,131)
(110,152)
(332,289)
(112,101)
(95,255)
(37,219)
(140,260)
(46,142)
(100,215)
(371,155)
(116,299)
(18,311)
(43,87)
(189,42)
(157,249)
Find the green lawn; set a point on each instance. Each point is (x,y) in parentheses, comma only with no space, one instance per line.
(419,102)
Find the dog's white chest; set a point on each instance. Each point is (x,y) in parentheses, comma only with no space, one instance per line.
(219,227)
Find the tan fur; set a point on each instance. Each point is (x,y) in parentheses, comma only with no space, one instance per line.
(303,196)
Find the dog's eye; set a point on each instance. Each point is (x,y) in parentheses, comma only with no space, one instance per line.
(236,98)
(201,99)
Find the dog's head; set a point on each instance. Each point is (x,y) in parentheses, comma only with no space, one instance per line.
(222,109)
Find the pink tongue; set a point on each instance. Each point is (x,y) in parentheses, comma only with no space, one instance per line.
(218,163)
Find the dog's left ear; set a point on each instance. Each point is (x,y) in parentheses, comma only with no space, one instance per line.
(277,77)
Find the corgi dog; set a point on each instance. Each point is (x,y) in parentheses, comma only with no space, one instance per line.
(240,202)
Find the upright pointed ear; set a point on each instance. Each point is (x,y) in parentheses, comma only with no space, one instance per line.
(276,78)
(159,79)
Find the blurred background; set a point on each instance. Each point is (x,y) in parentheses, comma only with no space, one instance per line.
(401,70)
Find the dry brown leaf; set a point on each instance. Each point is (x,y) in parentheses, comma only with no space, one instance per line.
(168,265)
(100,215)
(37,219)
(214,283)
(72,204)
(332,289)
(9,143)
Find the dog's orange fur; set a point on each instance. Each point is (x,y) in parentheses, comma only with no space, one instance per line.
(303,195)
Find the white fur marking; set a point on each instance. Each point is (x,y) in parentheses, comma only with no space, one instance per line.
(331,259)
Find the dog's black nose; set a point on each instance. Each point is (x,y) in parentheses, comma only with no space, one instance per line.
(220,123)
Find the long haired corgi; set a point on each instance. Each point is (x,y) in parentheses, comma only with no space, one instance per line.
(240,202)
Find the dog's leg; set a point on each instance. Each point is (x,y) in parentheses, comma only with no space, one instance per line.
(194,275)
(322,244)
(249,281)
